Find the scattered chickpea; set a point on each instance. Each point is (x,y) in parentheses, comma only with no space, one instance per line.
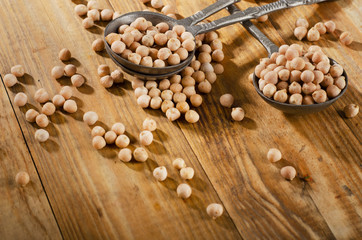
(187,173)
(237,114)
(125,155)
(156,3)
(98,45)
(87,22)
(57,72)
(196,100)
(10,80)
(122,141)
(204,87)
(117,76)
(94,14)
(48,109)
(214,210)
(70,106)
(351,110)
(66,92)
(30,115)
(192,116)
(144,101)
(166,105)
(313,34)
(41,95)
(17,70)
(41,135)
(302,22)
(106,81)
(98,142)
(64,54)
(110,137)
(98,131)
(300,32)
(118,128)
(184,191)
(146,137)
(20,99)
(160,173)
(330,26)
(77,80)
(22,178)
(288,172)
(106,15)
(42,120)
(149,124)
(81,9)
(179,163)
(90,117)
(274,155)
(321,28)
(173,114)
(92,4)
(140,154)
(70,70)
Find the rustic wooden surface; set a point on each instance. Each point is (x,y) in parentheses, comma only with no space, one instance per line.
(77,192)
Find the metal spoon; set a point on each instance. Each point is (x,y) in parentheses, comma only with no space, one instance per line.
(161,73)
(154,73)
(271,48)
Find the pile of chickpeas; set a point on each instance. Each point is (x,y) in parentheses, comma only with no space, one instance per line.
(298,77)
(320,28)
(152,46)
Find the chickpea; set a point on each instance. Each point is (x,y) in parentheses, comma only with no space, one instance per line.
(351,110)
(308,88)
(196,100)
(218,68)
(302,22)
(288,172)
(41,135)
(179,97)
(22,178)
(184,191)
(173,114)
(297,63)
(156,3)
(48,109)
(307,100)
(137,37)
(214,210)
(156,102)
(291,53)
(261,84)
(321,28)
(126,53)
(319,96)
(65,91)
(134,58)
(98,45)
(204,87)
(204,57)
(166,95)
(106,15)
(146,61)
(199,76)
(168,9)
(70,106)
(309,66)
(30,115)
(159,63)
(330,26)
(57,72)
(140,154)
(143,51)
(323,66)
(160,173)
(90,117)
(226,100)
(151,84)
(296,99)
(283,48)
(58,100)
(98,142)
(10,80)
(128,39)
(346,38)
(206,67)
(166,105)
(137,83)
(313,35)
(70,70)
(205,48)
(284,75)
(144,101)
(174,59)
(295,87)
(20,99)
(333,91)
(106,81)
(188,81)
(80,9)
(173,44)
(340,82)
(41,95)
(271,77)
(272,66)
(300,32)
(183,53)
(42,120)
(183,107)
(122,141)
(87,22)
(175,79)
(172,15)
(110,137)
(140,24)
(77,80)
(176,87)
(327,80)
(98,131)
(281,96)
(336,70)
(237,114)
(189,44)
(164,84)
(187,173)
(125,154)
(92,4)
(153,53)
(170,34)
(307,76)
(318,77)
(189,91)
(295,76)
(118,46)
(269,90)
(179,29)
(282,85)
(188,71)
(164,53)
(218,55)
(94,14)
(192,116)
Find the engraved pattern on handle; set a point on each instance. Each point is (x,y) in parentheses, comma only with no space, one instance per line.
(253,30)
(206,12)
(250,13)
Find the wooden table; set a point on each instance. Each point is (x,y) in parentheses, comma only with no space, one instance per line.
(77,192)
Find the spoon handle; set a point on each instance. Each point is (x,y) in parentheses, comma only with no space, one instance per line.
(253,30)
(249,13)
(206,12)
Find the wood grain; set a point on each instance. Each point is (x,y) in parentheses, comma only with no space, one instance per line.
(94,196)
(25,211)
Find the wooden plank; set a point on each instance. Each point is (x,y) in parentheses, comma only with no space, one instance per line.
(25,211)
(324,145)
(93,195)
